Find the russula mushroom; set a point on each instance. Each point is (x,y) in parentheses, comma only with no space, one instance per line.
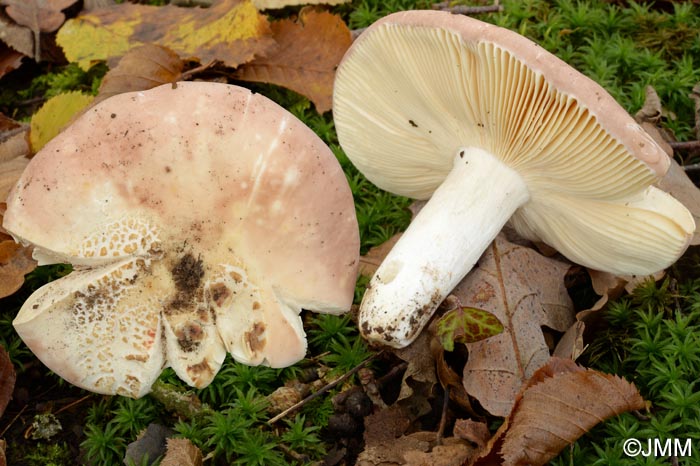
(492,128)
(200,219)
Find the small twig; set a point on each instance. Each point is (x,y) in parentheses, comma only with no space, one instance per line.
(5,135)
(468,10)
(692,167)
(443,417)
(639,416)
(189,73)
(323,390)
(685,145)
(2,434)
(73,403)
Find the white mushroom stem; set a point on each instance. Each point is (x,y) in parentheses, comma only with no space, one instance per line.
(441,246)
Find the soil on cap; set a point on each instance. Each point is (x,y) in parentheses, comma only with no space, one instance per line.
(187,274)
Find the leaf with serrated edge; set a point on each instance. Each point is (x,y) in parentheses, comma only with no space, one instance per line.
(309,51)
(559,404)
(182,452)
(54,115)
(524,290)
(38,15)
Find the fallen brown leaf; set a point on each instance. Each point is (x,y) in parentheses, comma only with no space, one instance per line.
(524,290)
(14,149)
(230,31)
(182,452)
(560,403)
(38,15)
(10,59)
(452,452)
(18,37)
(677,184)
(140,69)
(15,262)
(7,379)
(370,262)
(473,431)
(309,50)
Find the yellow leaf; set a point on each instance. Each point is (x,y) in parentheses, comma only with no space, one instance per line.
(56,113)
(232,31)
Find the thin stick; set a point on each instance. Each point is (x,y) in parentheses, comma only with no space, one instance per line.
(2,434)
(685,145)
(467,10)
(443,417)
(188,74)
(692,167)
(5,135)
(324,389)
(73,403)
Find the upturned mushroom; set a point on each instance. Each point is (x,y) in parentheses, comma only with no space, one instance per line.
(200,219)
(493,129)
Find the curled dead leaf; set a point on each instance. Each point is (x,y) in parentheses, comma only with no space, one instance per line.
(15,262)
(20,38)
(559,403)
(38,15)
(182,452)
(7,379)
(677,184)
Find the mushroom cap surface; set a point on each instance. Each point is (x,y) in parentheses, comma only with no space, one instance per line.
(417,86)
(199,218)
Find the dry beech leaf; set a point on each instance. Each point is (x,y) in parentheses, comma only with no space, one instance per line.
(309,50)
(277,4)
(231,31)
(571,344)
(182,452)
(678,185)
(385,442)
(420,376)
(559,404)
(473,431)
(452,452)
(369,263)
(7,379)
(18,37)
(10,59)
(38,15)
(15,262)
(141,69)
(14,148)
(524,290)
(11,169)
